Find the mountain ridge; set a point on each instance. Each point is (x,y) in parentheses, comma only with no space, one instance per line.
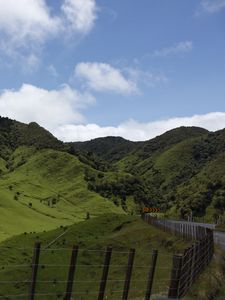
(179,172)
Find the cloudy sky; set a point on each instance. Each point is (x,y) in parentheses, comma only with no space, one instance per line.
(91,68)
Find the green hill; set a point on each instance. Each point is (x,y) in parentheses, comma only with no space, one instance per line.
(45,183)
(14,134)
(108,148)
(90,192)
(43,189)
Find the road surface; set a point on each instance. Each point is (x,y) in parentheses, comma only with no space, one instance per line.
(219,237)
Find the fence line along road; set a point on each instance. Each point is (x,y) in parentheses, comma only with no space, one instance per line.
(185,266)
(188,265)
(219,237)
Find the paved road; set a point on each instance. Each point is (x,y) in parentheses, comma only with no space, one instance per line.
(207,225)
(219,237)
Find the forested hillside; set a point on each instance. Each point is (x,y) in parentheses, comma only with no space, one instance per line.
(46,183)
(179,171)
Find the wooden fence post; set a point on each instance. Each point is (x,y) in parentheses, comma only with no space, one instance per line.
(175,276)
(35,262)
(151,275)
(71,273)
(105,273)
(128,274)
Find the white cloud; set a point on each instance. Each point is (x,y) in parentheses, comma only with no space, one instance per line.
(211,6)
(49,108)
(81,14)
(60,111)
(104,77)
(135,131)
(30,21)
(179,48)
(26,25)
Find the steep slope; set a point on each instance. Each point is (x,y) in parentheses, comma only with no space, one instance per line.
(177,163)
(205,192)
(193,175)
(14,134)
(46,188)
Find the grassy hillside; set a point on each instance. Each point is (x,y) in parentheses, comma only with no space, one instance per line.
(46,183)
(120,231)
(149,149)
(48,188)
(43,189)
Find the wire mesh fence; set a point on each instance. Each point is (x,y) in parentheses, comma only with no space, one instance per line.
(189,264)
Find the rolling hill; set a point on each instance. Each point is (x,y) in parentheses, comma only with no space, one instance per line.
(45,183)
(179,171)
(44,189)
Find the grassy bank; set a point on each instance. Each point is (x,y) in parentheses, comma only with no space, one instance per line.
(120,231)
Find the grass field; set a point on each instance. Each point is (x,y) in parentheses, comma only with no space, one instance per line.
(120,231)
(45,189)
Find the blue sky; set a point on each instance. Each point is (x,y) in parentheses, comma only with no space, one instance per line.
(85,68)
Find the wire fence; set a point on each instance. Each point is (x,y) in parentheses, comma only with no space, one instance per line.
(84,273)
(188,265)
(131,277)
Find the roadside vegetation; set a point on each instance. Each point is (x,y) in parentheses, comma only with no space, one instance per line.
(210,284)
(119,231)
